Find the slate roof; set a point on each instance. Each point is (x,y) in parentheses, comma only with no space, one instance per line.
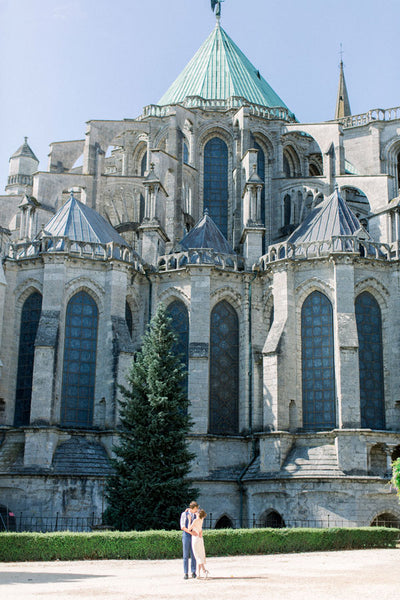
(219,70)
(79,456)
(205,234)
(24,150)
(80,223)
(330,218)
(302,461)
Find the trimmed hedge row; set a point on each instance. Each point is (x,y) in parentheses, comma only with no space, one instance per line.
(153,545)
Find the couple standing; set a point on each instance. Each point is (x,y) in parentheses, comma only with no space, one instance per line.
(192,540)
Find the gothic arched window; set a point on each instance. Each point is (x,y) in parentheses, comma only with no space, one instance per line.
(318,367)
(26,352)
(143,164)
(128,318)
(224,369)
(79,369)
(185,154)
(261,174)
(141,208)
(216,182)
(180,324)
(287,210)
(370,353)
(398,172)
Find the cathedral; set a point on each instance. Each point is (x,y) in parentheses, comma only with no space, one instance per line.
(274,246)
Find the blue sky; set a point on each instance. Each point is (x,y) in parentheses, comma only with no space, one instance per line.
(64,62)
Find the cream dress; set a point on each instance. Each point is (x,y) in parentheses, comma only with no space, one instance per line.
(198,542)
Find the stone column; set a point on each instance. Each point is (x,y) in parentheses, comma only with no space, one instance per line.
(116,347)
(43,401)
(199,348)
(346,346)
(278,355)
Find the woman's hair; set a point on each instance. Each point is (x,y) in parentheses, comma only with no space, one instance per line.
(202,514)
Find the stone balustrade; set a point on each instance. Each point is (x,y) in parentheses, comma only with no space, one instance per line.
(341,244)
(234,102)
(63,245)
(200,256)
(375,114)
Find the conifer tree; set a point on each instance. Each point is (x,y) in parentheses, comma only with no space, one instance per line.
(150,485)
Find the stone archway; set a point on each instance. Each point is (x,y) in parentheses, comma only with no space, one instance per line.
(224,522)
(386,519)
(271,518)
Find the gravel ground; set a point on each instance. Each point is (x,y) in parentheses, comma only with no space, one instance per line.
(370,574)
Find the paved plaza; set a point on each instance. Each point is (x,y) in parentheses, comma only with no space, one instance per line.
(370,574)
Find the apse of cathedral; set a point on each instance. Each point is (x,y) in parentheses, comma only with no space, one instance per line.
(274,246)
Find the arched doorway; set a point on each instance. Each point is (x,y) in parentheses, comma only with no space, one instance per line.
(224,522)
(272,518)
(386,519)
(8,521)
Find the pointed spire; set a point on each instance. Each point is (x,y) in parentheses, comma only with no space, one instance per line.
(342,103)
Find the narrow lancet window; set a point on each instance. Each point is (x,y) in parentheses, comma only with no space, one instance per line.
(79,369)
(318,368)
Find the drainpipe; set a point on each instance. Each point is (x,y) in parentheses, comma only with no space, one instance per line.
(254,452)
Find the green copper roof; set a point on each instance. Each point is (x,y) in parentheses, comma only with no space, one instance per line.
(218,71)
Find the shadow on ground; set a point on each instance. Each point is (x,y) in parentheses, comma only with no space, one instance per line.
(21,577)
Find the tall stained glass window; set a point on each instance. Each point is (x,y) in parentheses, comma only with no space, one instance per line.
(224,370)
(180,323)
(216,182)
(318,367)
(261,174)
(185,153)
(370,352)
(79,369)
(26,352)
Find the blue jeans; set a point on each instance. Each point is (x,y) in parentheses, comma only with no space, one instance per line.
(188,553)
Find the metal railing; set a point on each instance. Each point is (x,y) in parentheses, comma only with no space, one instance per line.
(93,522)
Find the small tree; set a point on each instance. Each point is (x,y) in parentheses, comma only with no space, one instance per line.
(150,485)
(396,475)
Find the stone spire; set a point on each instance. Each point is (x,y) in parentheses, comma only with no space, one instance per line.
(342,103)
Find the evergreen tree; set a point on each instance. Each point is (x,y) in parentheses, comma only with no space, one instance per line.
(150,485)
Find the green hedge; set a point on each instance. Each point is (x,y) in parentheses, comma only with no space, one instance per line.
(167,544)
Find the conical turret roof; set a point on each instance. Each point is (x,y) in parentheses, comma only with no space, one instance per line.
(205,234)
(79,223)
(24,150)
(330,218)
(218,71)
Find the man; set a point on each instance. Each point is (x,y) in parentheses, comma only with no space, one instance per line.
(187,518)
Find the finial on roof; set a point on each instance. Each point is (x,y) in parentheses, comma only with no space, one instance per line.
(71,194)
(336,187)
(26,139)
(216,6)
(205,213)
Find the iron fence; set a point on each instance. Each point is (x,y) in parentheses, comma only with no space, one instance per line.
(94,522)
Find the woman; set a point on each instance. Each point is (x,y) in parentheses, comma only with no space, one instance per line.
(198,542)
